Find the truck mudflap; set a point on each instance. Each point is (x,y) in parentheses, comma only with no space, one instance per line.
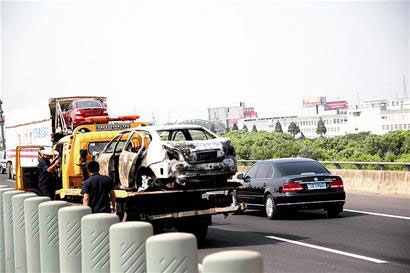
(211,211)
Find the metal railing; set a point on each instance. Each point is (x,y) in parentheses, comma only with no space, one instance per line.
(358,165)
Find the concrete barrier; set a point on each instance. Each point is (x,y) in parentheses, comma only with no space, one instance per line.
(19,231)
(95,242)
(127,246)
(172,252)
(2,260)
(32,232)
(373,181)
(8,230)
(369,181)
(238,261)
(49,241)
(91,243)
(69,233)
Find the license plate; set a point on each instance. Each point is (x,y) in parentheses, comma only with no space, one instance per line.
(316,186)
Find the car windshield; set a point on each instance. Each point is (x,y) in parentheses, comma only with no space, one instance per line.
(88,104)
(300,168)
(184,134)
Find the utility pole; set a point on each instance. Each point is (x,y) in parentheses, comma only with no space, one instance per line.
(3,139)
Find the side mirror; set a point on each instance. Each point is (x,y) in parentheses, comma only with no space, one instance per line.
(240,176)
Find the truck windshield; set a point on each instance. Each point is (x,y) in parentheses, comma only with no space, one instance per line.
(88,104)
(97,146)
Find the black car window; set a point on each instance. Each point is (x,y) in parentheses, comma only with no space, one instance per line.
(263,171)
(252,171)
(297,168)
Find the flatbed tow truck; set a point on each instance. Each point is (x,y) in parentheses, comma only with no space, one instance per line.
(187,210)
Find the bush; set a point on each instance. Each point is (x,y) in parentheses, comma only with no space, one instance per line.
(361,147)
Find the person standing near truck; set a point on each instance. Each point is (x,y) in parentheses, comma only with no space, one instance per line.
(98,191)
(47,171)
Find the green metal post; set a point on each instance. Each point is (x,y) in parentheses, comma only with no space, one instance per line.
(19,231)
(127,246)
(49,245)
(238,261)
(2,259)
(69,232)
(32,232)
(172,252)
(95,243)
(8,230)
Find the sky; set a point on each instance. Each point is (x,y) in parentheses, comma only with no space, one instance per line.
(173,59)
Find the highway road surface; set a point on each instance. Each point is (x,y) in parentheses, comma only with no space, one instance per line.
(371,235)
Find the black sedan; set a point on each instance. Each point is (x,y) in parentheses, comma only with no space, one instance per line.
(279,185)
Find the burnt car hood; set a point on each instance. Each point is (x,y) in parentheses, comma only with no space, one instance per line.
(200,151)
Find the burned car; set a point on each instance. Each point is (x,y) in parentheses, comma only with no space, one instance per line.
(168,157)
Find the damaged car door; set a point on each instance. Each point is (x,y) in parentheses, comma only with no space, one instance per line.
(130,158)
(107,158)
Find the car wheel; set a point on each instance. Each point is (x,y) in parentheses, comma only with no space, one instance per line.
(334,212)
(270,208)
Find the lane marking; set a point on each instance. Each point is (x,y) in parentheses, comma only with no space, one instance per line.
(328,250)
(378,214)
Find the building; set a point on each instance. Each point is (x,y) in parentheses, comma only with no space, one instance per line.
(231,114)
(377,117)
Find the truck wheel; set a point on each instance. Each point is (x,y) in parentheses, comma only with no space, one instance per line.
(196,225)
(271,209)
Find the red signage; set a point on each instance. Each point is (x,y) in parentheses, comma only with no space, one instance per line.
(336,105)
(313,101)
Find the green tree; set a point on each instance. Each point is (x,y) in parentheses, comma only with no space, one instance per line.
(278,127)
(302,135)
(227,129)
(254,129)
(235,127)
(245,128)
(293,129)
(321,128)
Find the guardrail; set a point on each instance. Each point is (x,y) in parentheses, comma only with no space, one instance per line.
(358,165)
(39,235)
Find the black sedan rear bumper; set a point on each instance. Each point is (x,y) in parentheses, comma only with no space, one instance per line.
(319,200)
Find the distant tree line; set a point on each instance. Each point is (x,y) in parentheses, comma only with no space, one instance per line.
(362,147)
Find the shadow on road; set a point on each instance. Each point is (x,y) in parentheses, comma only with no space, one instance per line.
(220,238)
(302,214)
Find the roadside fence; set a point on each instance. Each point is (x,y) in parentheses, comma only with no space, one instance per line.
(39,235)
(357,165)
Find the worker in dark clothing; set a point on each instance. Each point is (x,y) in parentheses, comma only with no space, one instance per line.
(98,190)
(46,171)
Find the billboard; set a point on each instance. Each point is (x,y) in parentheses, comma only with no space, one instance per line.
(336,105)
(313,101)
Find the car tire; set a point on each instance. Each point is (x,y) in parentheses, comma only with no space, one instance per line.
(271,209)
(334,212)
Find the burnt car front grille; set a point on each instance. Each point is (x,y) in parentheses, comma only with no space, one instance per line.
(207,155)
